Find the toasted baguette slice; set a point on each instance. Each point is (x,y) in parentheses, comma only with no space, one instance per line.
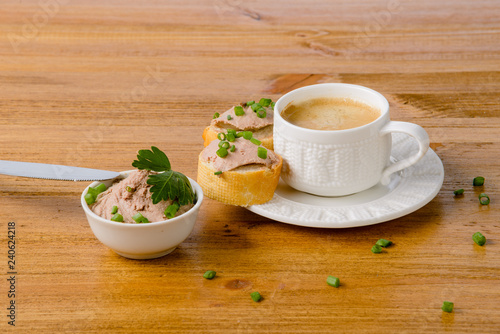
(265,135)
(243,186)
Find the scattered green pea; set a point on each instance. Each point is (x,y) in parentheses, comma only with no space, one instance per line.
(479,238)
(333,281)
(447,306)
(209,274)
(256,297)
(376,249)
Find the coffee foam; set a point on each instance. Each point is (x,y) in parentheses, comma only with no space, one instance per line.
(330,113)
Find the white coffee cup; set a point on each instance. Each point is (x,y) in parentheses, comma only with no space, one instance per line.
(341,162)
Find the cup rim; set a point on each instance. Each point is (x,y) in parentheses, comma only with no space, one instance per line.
(88,211)
(383,111)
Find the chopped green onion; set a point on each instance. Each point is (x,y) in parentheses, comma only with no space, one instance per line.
(484,199)
(93,191)
(458,192)
(447,306)
(224,144)
(478,181)
(117,218)
(238,111)
(249,103)
(265,102)
(383,243)
(256,297)
(479,238)
(376,249)
(239,134)
(100,187)
(139,218)
(262,152)
(256,106)
(216,115)
(222,152)
(218,173)
(333,281)
(129,189)
(233,131)
(114,209)
(171,210)
(221,136)
(261,113)
(255,141)
(272,105)
(229,117)
(247,135)
(209,274)
(89,198)
(230,137)
(232,148)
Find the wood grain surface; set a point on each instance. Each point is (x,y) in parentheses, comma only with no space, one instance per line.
(88,83)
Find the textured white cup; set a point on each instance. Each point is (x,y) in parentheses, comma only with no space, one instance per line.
(341,162)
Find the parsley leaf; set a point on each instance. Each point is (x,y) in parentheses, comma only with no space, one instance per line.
(153,159)
(173,185)
(167,185)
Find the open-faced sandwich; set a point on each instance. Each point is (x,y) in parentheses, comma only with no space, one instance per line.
(256,117)
(237,169)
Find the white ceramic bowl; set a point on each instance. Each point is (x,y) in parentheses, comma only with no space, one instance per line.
(143,241)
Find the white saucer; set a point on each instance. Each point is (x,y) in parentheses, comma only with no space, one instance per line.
(408,191)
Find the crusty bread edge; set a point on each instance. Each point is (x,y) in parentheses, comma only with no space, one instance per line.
(239,187)
(210,133)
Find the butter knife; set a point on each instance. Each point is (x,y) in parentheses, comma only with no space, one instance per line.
(54,172)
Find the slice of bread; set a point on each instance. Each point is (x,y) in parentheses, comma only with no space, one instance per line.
(245,185)
(265,135)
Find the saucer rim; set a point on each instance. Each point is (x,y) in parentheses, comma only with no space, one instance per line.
(430,155)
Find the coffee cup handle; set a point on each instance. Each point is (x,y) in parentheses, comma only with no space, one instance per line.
(414,130)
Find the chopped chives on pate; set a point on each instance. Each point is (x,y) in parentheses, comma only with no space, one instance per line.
(229,117)
(230,137)
(265,102)
(255,106)
(262,153)
(171,210)
(218,173)
(232,148)
(216,115)
(249,103)
(222,152)
(247,135)
(114,209)
(261,113)
(101,187)
(224,144)
(221,136)
(232,131)
(117,218)
(89,198)
(139,218)
(238,111)
(129,189)
(255,141)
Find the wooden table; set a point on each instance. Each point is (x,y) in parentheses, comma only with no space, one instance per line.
(88,83)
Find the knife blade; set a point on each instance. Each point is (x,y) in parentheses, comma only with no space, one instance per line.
(54,172)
